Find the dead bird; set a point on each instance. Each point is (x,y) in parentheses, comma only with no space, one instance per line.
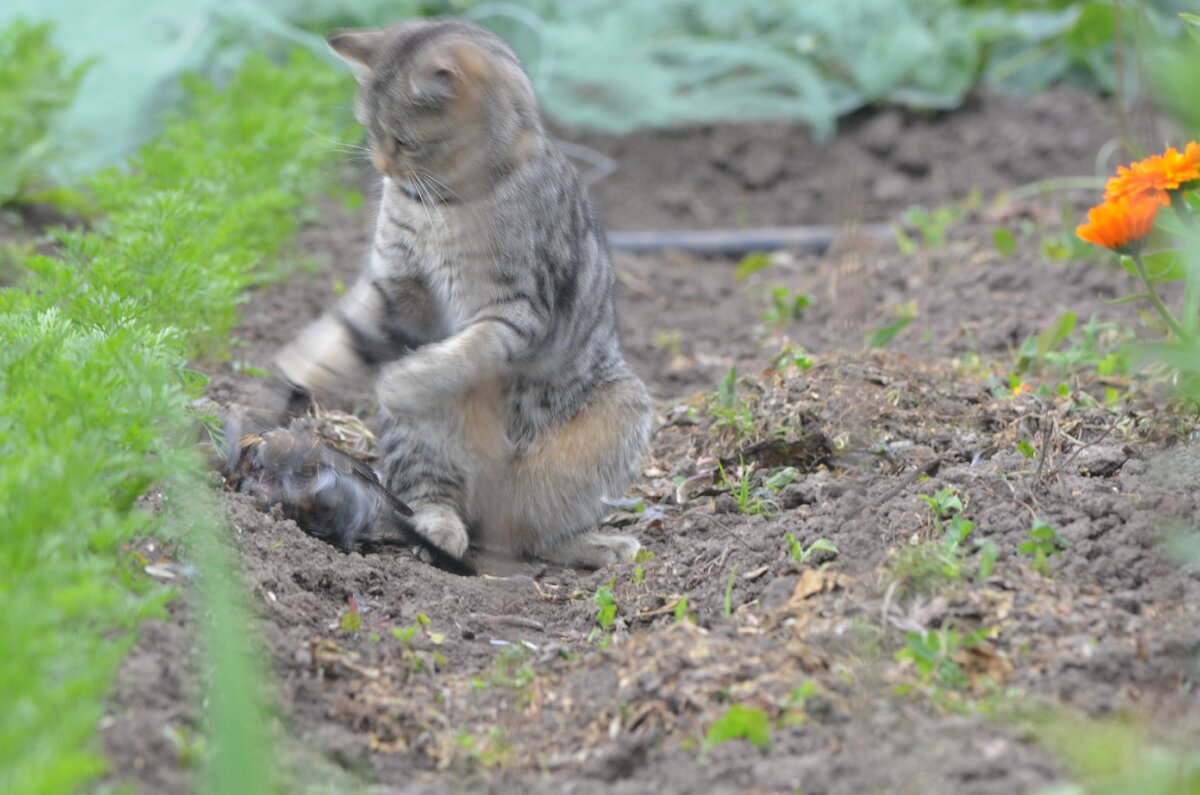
(329,493)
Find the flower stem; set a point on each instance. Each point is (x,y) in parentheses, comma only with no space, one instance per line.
(1156,301)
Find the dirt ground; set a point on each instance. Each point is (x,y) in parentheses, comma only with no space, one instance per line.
(506,681)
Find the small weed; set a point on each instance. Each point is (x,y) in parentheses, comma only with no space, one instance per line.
(789,357)
(881,336)
(493,753)
(944,503)
(729,582)
(793,705)
(1063,245)
(681,609)
(669,342)
(751,500)
(780,478)
(639,572)
(930,651)
(1004,241)
(933,225)
(190,746)
(748,503)
(802,554)
(511,669)
(606,607)
(784,307)
(351,621)
(740,723)
(405,635)
(1044,542)
(731,412)
(1104,349)
(750,264)
(927,566)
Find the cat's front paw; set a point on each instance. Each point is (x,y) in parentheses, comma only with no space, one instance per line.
(322,354)
(441,526)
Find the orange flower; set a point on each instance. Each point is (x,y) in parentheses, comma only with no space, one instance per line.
(1156,175)
(1120,222)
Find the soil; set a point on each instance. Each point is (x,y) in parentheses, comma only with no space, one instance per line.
(507,681)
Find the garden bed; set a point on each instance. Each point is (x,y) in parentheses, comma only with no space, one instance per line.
(518,679)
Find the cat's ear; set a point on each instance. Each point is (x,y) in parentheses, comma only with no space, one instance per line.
(356,46)
(457,75)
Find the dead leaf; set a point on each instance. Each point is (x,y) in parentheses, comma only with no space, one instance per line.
(814,581)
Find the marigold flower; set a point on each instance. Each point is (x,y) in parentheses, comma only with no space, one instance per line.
(1156,175)
(1120,222)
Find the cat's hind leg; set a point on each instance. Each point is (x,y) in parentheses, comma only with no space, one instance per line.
(593,550)
(554,489)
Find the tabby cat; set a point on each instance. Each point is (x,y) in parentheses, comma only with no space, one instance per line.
(486,308)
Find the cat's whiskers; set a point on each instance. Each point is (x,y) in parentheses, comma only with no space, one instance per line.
(344,146)
(416,186)
(427,194)
(442,185)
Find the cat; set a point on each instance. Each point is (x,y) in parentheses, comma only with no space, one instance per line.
(486,309)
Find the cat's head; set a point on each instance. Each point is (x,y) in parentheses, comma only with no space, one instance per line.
(446,103)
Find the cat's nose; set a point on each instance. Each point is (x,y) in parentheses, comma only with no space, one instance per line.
(380,161)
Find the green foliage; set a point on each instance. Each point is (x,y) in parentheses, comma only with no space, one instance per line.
(93,368)
(1004,241)
(801,554)
(727,608)
(788,357)
(1065,349)
(750,264)
(36,84)
(627,64)
(793,705)
(784,307)
(701,60)
(932,225)
(1044,542)
(606,607)
(944,503)
(931,652)
(1115,757)
(639,572)
(881,336)
(740,723)
(924,567)
(755,500)
(731,412)
(681,610)
(351,621)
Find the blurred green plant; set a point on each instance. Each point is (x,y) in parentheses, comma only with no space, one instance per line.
(1044,543)
(1117,757)
(94,385)
(620,65)
(36,85)
(739,723)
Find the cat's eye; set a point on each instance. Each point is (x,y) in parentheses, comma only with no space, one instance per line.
(406,144)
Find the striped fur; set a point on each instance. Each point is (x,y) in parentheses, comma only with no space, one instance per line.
(486,308)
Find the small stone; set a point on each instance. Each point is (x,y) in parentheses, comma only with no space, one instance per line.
(1101,461)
